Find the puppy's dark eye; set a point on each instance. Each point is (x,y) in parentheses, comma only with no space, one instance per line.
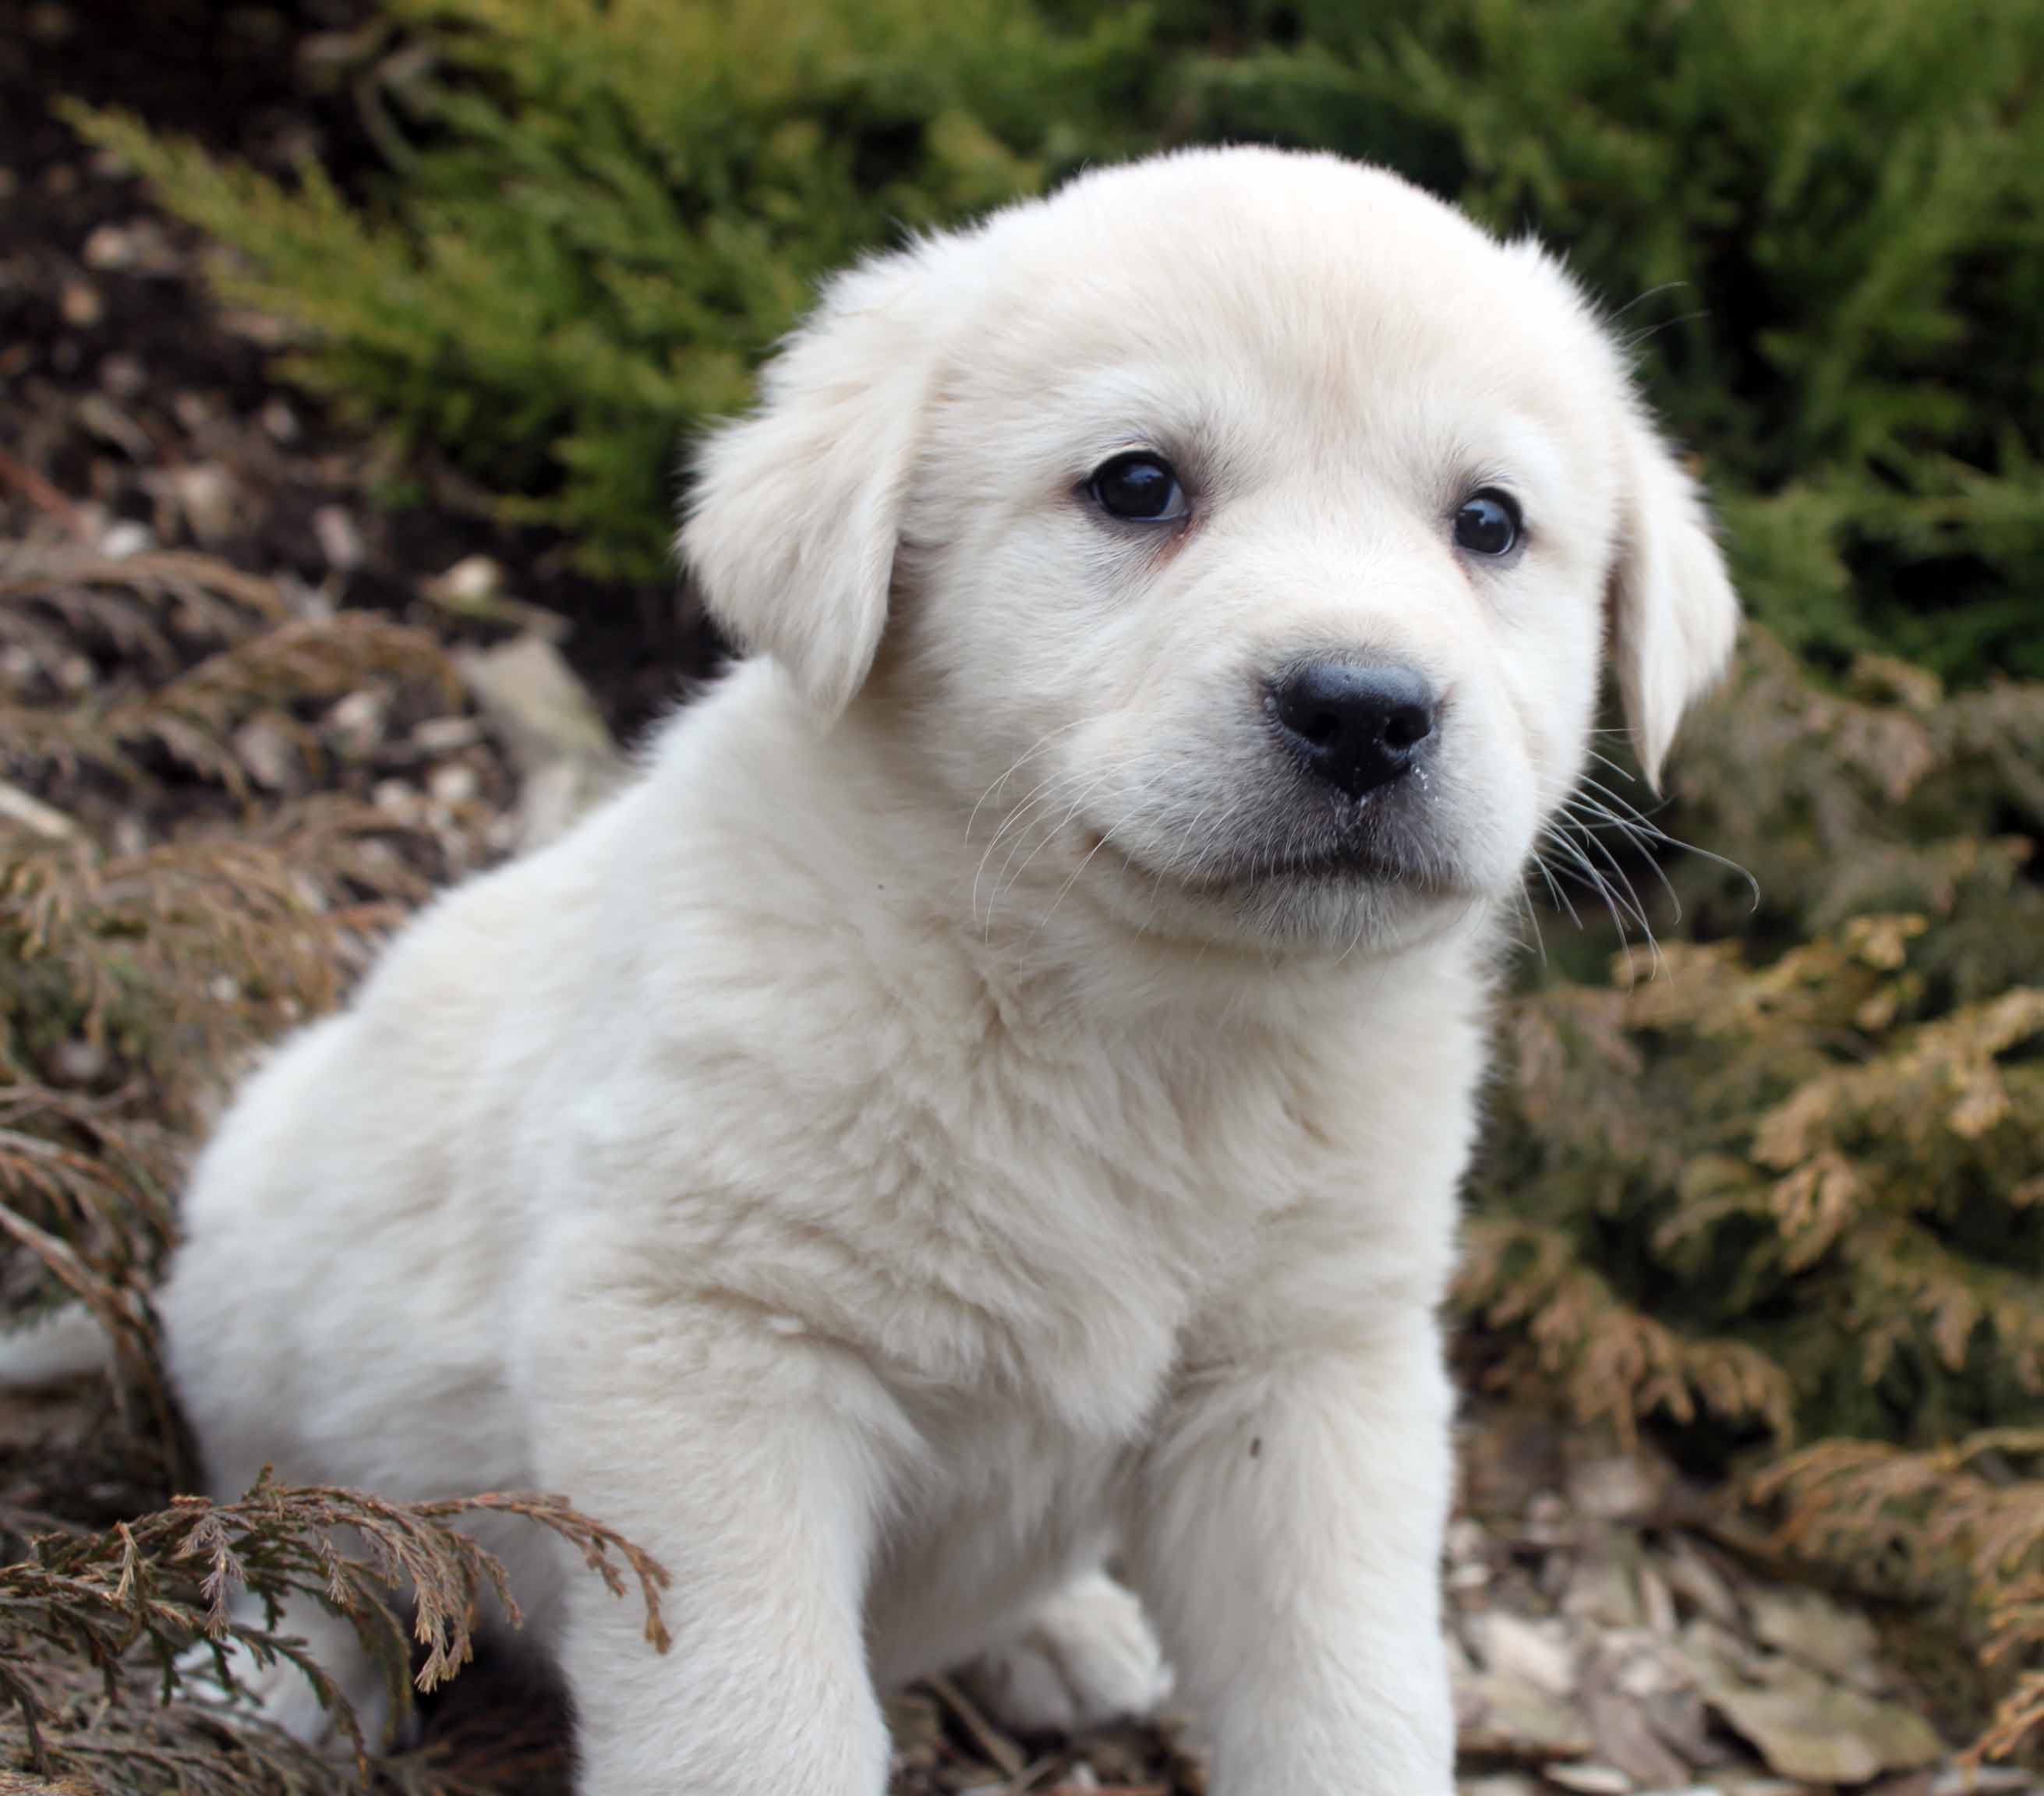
(1139,487)
(1488,524)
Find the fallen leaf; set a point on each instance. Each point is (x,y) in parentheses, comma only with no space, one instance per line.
(1806,1726)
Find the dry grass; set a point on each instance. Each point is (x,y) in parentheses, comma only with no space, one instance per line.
(84,1617)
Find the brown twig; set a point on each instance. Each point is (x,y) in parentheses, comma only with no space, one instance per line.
(41,494)
(990,1740)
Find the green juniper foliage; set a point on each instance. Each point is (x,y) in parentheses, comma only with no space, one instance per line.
(603,213)
(1826,223)
(1818,1132)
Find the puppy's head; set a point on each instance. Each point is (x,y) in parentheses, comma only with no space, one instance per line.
(1240,533)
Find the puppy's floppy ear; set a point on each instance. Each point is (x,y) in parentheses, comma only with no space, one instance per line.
(791,525)
(1674,615)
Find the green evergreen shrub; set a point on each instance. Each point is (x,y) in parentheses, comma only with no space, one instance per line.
(1818,1129)
(601,215)
(1826,223)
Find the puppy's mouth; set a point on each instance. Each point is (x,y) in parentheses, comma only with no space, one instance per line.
(1357,866)
(1348,861)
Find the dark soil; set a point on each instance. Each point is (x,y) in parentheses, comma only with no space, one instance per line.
(129,394)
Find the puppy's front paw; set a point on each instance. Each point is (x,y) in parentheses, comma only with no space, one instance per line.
(1086,1655)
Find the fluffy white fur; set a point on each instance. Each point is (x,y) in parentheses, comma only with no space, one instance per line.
(926,1135)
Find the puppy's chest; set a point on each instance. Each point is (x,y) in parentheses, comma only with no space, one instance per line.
(1042,1228)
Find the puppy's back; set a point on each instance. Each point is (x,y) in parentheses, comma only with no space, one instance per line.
(336,1307)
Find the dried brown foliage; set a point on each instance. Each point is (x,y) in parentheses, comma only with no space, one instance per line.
(1785,1182)
(155,661)
(85,1198)
(1613,1363)
(82,1617)
(1977,1506)
(147,612)
(161,917)
(1775,1154)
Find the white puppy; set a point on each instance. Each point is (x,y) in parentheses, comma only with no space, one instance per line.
(992,1093)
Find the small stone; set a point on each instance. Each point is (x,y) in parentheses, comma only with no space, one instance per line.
(306,601)
(1467,1540)
(397,801)
(78,1062)
(1538,1652)
(551,728)
(264,327)
(358,720)
(1617,1487)
(339,539)
(1645,1667)
(1590,1780)
(474,580)
(448,735)
(24,809)
(280,421)
(1549,1522)
(267,752)
(79,305)
(109,246)
(123,376)
(125,538)
(105,421)
(206,495)
(454,785)
(75,674)
(222,989)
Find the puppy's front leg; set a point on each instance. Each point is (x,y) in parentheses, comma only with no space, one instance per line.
(753,1476)
(1288,1542)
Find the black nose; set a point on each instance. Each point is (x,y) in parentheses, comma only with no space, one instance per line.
(1356,727)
